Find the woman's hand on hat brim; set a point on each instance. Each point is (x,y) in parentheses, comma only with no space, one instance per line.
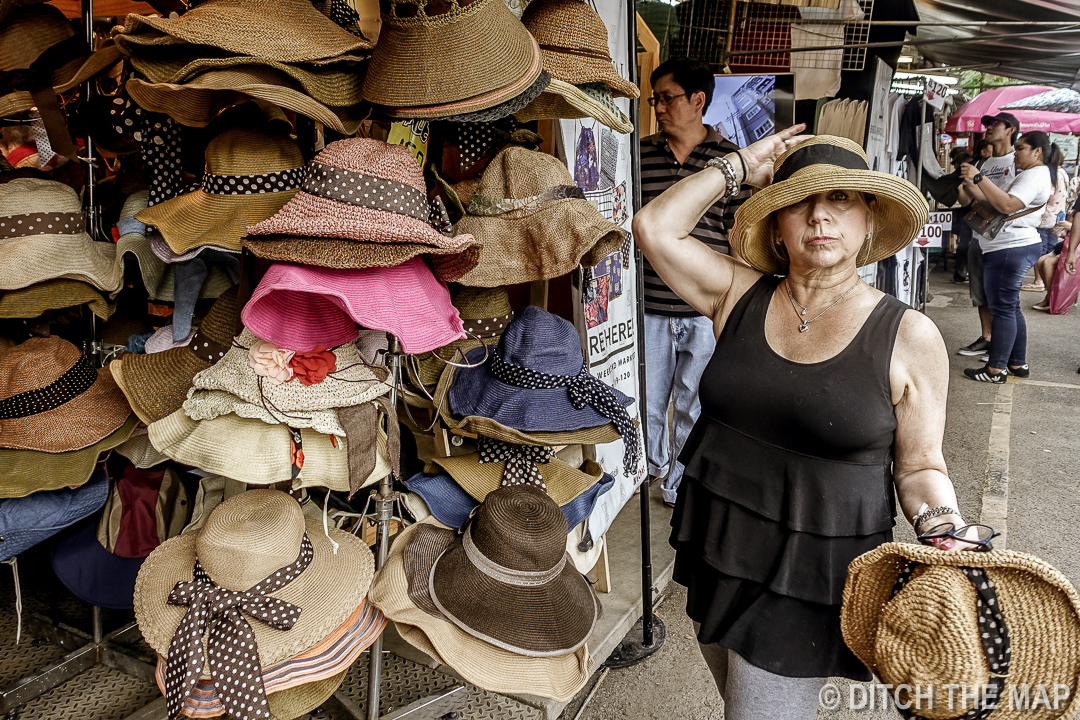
(760,156)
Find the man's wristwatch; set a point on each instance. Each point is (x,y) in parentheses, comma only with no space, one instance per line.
(977,179)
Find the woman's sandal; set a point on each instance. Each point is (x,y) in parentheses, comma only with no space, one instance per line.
(1041,306)
(1032,287)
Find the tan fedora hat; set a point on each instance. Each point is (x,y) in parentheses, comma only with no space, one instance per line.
(426,60)
(821,164)
(533,221)
(931,619)
(478,662)
(281,30)
(157,384)
(247,539)
(574,42)
(250,175)
(259,453)
(563,100)
(43,237)
(198,101)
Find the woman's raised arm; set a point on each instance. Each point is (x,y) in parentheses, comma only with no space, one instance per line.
(698,274)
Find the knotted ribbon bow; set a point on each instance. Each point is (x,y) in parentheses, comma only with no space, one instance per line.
(233,654)
(583,389)
(521,460)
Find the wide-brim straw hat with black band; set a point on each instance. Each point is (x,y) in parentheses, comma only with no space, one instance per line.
(533,222)
(822,164)
(508,581)
(245,539)
(563,100)
(413,42)
(488,427)
(958,615)
(257,453)
(447,264)
(39,38)
(574,42)
(53,399)
(29,471)
(485,313)
(30,302)
(281,30)
(361,189)
(480,663)
(488,107)
(43,237)
(157,384)
(199,101)
(250,175)
(351,383)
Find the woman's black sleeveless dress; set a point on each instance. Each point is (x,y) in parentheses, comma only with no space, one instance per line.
(788,479)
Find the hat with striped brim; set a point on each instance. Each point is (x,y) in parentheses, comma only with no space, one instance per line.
(563,100)
(822,164)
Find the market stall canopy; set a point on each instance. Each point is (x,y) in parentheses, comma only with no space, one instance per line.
(969,117)
(1058,100)
(1040,54)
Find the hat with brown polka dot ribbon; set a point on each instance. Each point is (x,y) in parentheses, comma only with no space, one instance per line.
(1001,628)
(258,584)
(53,399)
(43,237)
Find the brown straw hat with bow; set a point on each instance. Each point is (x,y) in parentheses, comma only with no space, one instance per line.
(821,164)
(53,399)
(533,222)
(574,42)
(931,619)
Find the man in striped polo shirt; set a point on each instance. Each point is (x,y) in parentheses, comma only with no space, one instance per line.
(678,340)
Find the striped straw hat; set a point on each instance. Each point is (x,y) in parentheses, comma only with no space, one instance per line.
(563,100)
(250,175)
(821,164)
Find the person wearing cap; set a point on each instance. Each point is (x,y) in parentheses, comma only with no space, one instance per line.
(678,339)
(999,168)
(823,397)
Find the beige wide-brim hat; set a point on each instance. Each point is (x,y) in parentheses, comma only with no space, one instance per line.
(29,259)
(198,101)
(564,481)
(204,218)
(409,48)
(354,382)
(821,164)
(281,30)
(209,404)
(246,532)
(561,100)
(30,302)
(138,450)
(928,634)
(539,241)
(258,453)
(480,663)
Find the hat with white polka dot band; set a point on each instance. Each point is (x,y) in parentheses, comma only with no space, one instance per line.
(259,554)
(562,481)
(485,313)
(1002,621)
(363,189)
(250,175)
(42,237)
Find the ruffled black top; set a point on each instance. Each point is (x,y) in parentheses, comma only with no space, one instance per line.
(788,479)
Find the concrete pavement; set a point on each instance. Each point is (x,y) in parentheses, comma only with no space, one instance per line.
(1026,430)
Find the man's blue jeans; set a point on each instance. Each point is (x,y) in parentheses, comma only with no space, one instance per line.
(1003,273)
(677,349)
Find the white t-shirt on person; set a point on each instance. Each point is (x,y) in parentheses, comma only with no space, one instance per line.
(1000,171)
(1033,188)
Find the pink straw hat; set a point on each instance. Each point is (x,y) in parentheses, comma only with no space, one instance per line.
(298,307)
(363,189)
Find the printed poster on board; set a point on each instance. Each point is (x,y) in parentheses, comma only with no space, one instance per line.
(605,303)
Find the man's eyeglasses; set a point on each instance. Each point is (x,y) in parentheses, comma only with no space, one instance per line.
(979,535)
(665,99)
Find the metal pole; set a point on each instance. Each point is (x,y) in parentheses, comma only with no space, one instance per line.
(918,182)
(384,511)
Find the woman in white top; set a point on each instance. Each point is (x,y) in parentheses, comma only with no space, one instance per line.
(1009,256)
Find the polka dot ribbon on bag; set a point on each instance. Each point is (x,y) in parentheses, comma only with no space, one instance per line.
(583,389)
(231,651)
(521,460)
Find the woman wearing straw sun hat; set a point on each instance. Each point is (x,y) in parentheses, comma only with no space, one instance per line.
(822,396)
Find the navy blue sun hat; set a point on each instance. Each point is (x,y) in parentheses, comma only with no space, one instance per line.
(92,573)
(536,381)
(451,505)
(26,521)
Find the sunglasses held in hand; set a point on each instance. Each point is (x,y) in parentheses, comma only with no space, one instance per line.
(946,535)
